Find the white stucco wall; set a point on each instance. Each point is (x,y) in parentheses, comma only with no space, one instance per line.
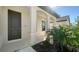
(42,16)
(39,33)
(31,27)
(26,28)
(1,40)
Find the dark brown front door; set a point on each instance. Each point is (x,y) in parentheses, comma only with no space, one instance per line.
(14,25)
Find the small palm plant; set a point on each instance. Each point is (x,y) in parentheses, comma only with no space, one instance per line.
(59,35)
(67,35)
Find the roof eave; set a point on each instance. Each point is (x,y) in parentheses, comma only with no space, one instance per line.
(49,10)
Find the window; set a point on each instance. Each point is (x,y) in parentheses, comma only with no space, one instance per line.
(43,25)
(14,25)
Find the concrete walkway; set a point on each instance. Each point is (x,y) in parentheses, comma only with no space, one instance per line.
(27,49)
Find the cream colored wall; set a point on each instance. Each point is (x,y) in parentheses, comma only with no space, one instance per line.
(26,29)
(39,32)
(63,23)
(52,21)
(67,22)
(31,29)
(1,40)
(43,15)
(33,24)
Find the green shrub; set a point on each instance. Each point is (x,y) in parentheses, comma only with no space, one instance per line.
(67,35)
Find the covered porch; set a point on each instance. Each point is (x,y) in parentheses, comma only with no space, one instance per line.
(34,22)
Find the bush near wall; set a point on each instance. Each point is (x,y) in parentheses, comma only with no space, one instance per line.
(67,35)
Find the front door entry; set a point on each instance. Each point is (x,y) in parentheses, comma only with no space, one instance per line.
(14,25)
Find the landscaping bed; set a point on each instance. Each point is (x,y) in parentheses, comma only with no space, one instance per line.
(45,46)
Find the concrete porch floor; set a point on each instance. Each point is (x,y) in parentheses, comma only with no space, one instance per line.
(27,49)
